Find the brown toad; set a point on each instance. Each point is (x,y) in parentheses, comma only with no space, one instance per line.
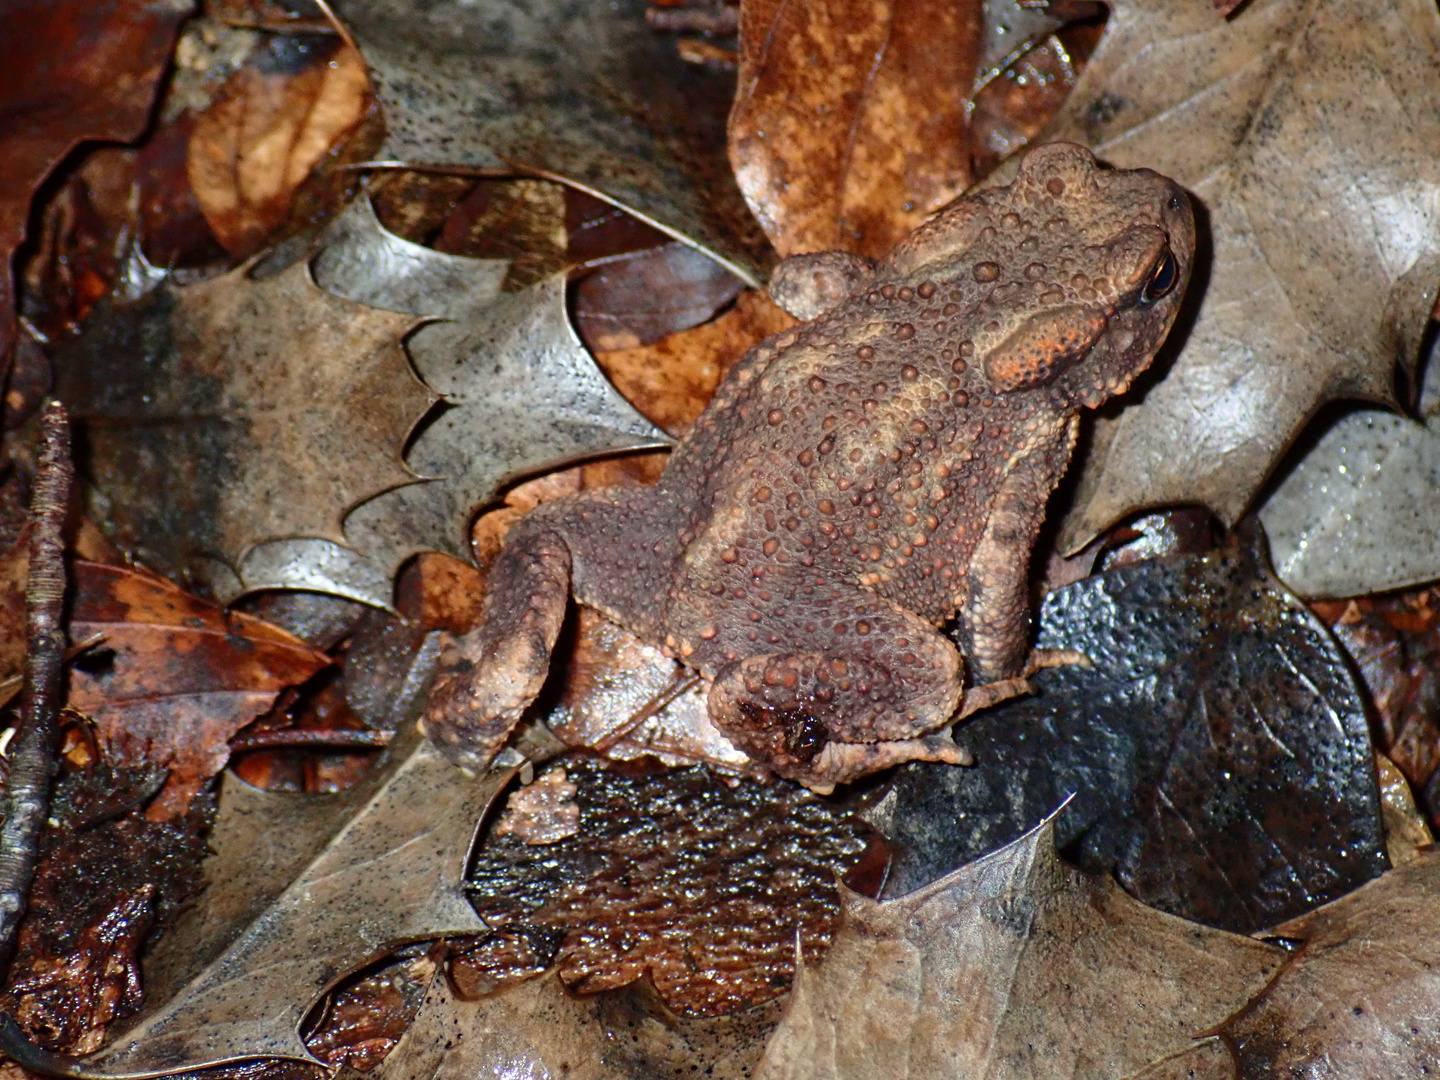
(858,482)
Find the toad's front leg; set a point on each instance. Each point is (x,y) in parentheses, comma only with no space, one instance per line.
(488,677)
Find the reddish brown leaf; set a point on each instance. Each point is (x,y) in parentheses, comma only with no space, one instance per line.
(73,71)
(641,298)
(849,124)
(671,381)
(176,677)
(272,125)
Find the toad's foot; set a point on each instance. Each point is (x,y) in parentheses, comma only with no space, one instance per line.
(988,694)
(839,763)
(1053,658)
(488,677)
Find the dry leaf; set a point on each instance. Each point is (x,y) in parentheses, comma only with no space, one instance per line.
(1015,966)
(1308,134)
(175,677)
(279,404)
(539,1030)
(522,395)
(1359,997)
(271,125)
(73,71)
(854,152)
(336,881)
(588,95)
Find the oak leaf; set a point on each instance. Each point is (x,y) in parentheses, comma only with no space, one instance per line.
(1308,135)
(278,404)
(522,395)
(586,94)
(1013,966)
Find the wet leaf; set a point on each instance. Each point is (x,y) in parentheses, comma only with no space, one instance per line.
(281,404)
(175,677)
(539,1029)
(1014,966)
(1359,997)
(1306,132)
(274,121)
(1218,750)
(74,72)
(586,94)
(705,887)
(349,876)
(522,395)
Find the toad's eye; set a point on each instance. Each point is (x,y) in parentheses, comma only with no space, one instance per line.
(1162,280)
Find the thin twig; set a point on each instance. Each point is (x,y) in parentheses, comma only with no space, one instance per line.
(33,758)
(287,738)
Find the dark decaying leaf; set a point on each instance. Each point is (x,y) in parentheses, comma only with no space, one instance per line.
(1361,995)
(521,395)
(587,94)
(1355,515)
(704,887)
(1218,750)
(107,879)
(73,71)
(175,677)
(539,1029)
(1307,133)
(228,413)
(1014,966)
(303,888)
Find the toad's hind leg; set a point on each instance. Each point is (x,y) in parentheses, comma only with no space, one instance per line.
(883,685)
(488,677)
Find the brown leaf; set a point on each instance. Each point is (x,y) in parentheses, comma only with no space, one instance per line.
(1308,134)
(1014,966)
(272,124)
(1359,997)
(73,71)
(855,151)
(672,380)
(538,1029)
(281,404)
(177,677)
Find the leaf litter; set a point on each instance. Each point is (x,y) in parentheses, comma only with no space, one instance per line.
(514,1035)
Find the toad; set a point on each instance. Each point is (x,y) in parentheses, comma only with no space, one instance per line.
(857,484)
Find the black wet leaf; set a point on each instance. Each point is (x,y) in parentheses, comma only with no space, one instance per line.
(1218,750)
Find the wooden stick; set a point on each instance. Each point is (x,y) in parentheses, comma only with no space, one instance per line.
(33,752)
